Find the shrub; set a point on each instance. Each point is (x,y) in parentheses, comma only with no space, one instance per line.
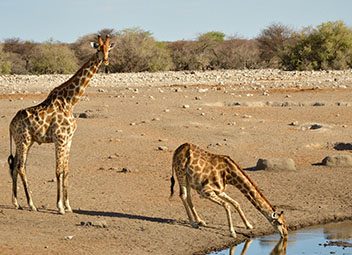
(237,54)
(5,64)
(329,46)
(272,42)
(184,55)
(18,54)
(52,58)
(137,51)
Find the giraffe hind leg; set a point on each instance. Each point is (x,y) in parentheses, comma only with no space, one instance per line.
(21,159)
(184,198)
(14,174)
(193,209)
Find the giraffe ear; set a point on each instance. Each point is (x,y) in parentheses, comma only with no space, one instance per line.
(112,45)
(94,45)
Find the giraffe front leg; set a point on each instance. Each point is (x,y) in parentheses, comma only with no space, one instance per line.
(60,169)
(59,201)
(65,191)
(218,200)
(237,206)
(65,177)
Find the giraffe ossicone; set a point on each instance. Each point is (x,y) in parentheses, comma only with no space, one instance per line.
(52,121)
(209,174)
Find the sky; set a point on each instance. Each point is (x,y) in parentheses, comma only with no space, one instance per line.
(67,20)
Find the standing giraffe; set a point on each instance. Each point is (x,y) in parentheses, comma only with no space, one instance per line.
(208,174)
(52,121)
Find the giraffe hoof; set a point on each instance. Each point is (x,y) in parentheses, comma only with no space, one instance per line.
(33,208)
(233,234)
(249,226)
(18,207)
(68,210)
(202,223)
(62,211)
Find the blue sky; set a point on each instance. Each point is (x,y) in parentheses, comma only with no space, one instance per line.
(67,20)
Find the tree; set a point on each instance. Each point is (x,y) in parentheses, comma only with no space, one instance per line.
(272,42)
(329,46)
(137,51)
(53,58)
(5,64)
(18,53)
(238,53)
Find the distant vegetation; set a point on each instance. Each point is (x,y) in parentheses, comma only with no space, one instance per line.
(327,46)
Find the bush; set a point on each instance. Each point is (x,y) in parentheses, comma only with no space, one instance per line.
(329,46)
(5,64)
(237,54)
(137,51)
(18,54)
(272,42)
(52,58)
(184,55)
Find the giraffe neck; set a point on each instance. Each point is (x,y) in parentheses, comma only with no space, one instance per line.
(69,93)
(241,180)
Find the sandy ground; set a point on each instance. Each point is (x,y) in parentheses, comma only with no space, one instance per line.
(125,130)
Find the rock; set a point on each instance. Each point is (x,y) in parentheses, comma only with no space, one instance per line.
(340,146)
(315,126)
(276,164)
(186,106)
(341,160)
(318,104)
(68,237)
(125,170)
(162,148)
(97,224)
(294,123)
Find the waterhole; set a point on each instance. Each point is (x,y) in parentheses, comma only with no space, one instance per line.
(333,238)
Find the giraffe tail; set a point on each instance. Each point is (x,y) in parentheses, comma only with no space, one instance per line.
(11,158)
(172,180)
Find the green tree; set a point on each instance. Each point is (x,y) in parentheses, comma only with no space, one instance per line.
(5,64)
(137,51)
(206,50)
(329,46)
(52,58)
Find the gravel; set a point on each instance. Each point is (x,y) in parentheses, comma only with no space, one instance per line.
(260,79)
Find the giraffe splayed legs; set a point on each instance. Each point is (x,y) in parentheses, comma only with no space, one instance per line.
(209,174)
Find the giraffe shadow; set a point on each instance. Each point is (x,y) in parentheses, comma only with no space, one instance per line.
(128,216)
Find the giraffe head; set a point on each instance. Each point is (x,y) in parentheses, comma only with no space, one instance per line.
(279,222)
(103,48)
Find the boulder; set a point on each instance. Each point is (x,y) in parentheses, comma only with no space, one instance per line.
(276,164)
(341,160)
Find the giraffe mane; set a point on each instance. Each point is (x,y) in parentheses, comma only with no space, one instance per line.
(251,182)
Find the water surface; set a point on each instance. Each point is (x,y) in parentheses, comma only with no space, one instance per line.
(323,240)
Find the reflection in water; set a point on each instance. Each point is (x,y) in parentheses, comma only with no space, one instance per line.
(279,249)
(338,231)
(314,240)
